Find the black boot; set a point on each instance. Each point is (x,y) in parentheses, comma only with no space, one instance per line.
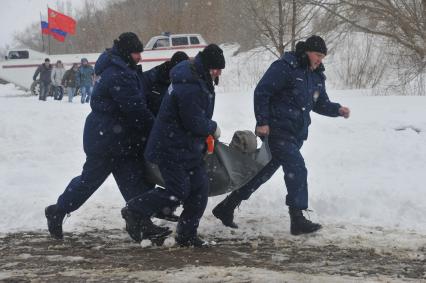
(167,214)
(133,224)
(168,217)
(193,241)
(225,210)
(153,232)
(301,225)
(54,221)
(139,227)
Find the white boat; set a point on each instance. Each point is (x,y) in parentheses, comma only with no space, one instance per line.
(20,64)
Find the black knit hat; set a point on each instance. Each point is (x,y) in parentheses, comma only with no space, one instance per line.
(165,68)
(212,57)
(316,43)
(178,57)
(128,43)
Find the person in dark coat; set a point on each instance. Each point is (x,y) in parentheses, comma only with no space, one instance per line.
(85,79)
(115,132)
(69,81)
(158,80)
(291,88)
(45,71)
(178,144)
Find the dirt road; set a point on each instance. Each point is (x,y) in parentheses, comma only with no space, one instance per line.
(111,256)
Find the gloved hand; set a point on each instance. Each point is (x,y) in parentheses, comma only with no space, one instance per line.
(210,144)
(344,112)
(217,133)
(262,131)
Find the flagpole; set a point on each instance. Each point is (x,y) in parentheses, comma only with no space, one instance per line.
(42,39)
(49,45)
(49,26)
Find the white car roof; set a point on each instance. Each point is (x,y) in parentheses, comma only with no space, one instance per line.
(153,39)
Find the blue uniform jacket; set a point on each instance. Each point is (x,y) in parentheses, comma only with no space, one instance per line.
(158,87)
(120,121)
(285,96)
(184,120)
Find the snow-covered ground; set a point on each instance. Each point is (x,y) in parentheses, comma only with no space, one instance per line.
(366,174)
(366,185)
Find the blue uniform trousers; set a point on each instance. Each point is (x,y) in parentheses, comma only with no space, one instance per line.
(182,186)
(287,155)
(127,172)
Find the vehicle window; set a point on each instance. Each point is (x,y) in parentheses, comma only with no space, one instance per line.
(19,54)
(162,42)
(179,41)
(194,40)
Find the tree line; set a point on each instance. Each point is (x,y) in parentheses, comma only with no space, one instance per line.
(274,25)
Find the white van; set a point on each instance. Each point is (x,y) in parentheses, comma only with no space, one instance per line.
(21,63)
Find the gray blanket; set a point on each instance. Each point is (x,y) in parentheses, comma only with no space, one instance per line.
(229,167)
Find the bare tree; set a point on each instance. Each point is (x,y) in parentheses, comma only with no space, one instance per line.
(281,23)
(401,22)
(366,64)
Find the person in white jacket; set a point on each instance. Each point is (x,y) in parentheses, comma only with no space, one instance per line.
(57,74)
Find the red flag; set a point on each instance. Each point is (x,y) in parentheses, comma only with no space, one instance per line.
(61,21)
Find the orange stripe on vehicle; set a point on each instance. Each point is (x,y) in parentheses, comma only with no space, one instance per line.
(174,48)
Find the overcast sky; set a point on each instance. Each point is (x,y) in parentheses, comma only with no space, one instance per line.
(16,15)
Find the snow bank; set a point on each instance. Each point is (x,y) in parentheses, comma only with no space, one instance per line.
(10,90)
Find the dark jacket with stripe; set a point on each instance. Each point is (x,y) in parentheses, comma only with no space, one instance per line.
(184,120)
(286,95)
(120,121)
